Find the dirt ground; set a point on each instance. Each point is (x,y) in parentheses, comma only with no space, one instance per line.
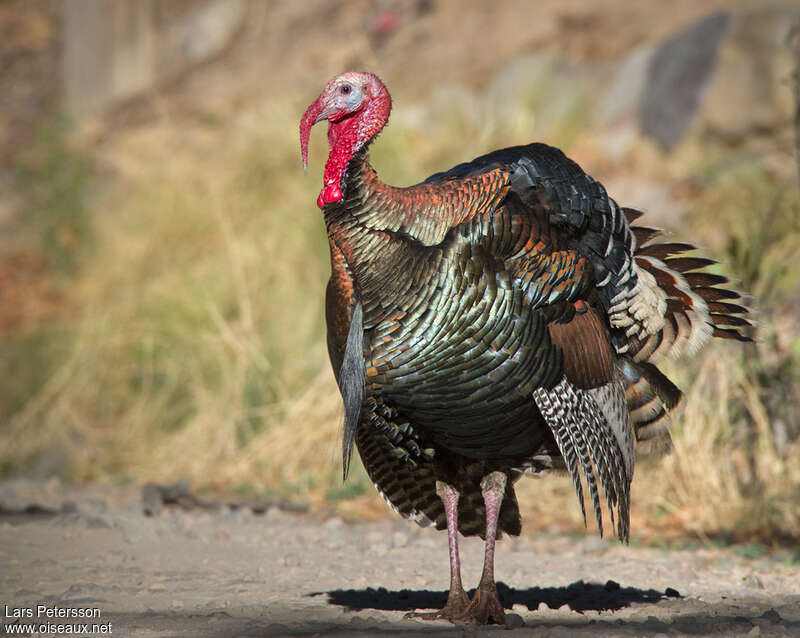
(231,572)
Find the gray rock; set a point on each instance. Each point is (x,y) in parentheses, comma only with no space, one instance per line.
(677,77)
(726,77)
(514,621)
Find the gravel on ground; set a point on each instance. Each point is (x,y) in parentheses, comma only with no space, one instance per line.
(230,572)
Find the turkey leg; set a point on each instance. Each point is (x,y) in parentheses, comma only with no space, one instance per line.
(485,606)
(457,600)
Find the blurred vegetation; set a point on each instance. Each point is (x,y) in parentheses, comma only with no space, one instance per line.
(196,345)
(54,181)
(56,223)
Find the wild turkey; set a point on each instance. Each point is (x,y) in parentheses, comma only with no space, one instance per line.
(499,319)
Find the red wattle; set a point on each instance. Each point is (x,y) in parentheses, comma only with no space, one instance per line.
(329,195)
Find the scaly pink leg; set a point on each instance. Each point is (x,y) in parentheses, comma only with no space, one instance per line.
(457,600)
(485,607)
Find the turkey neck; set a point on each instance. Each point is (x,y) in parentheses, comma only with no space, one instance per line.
(357,225)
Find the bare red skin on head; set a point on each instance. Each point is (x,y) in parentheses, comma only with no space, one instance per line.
(347,132)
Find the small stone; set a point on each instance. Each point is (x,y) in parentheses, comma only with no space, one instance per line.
(399,539)
(672,593)
(611,585)
(176,604)
(100,521)
(755,631)
(514,621)
(771,615)
(333,523)
(752,580)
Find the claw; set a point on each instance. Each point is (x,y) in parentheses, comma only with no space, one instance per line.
(457,604)
(485,608)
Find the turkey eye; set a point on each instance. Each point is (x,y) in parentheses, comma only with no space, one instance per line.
(346,88)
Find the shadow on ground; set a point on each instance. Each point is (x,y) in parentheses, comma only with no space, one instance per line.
(579,596)
(290,620)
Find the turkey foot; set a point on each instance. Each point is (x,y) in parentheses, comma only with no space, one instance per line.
(457,604)
(485,607)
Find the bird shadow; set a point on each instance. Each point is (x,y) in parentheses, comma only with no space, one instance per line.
(578,596)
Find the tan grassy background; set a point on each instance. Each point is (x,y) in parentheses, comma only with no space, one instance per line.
(163,273)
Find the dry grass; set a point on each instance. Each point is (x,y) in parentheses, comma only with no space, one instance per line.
(196,344)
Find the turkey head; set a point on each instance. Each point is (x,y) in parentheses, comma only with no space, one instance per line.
(357,107)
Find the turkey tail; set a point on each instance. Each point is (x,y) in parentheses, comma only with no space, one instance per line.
(592,432)
(697,305)
(650,397)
